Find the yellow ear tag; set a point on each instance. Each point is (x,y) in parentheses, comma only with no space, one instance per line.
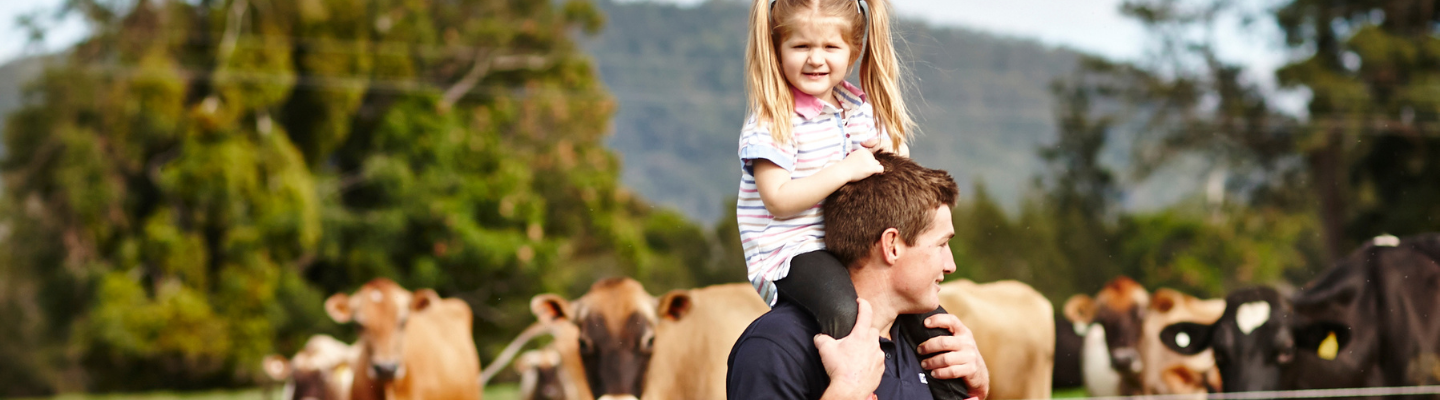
(343,368)
(1329,348)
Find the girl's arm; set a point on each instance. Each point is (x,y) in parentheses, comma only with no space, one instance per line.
(785,197)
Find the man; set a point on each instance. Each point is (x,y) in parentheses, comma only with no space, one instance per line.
(892,230)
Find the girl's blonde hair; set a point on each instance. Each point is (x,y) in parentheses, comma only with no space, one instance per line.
(770,99)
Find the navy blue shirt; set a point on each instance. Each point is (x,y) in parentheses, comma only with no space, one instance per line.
(776,358)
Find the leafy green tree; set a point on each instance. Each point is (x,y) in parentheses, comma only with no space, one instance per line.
(1373,74)
(193,179)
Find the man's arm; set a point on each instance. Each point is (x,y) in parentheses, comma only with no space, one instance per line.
(855,364)
(963,359)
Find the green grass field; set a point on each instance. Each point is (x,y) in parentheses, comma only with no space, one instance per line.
(501,391)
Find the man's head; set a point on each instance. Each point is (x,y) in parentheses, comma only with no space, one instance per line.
(898,219)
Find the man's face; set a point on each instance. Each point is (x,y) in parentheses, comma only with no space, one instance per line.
(920,268)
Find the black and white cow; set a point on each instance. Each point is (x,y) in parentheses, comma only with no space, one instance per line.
(1371,320)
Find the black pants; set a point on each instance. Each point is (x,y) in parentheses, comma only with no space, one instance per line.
(819,283)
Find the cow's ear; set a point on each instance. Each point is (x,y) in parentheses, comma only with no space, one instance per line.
(424,298)
(550,308)
(1080,308)
(276,366)
(338,307)
(1165,300)
(675,305)
(1324,339)
(1186,338)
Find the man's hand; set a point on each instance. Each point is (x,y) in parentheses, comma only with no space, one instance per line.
(960,358)
(855,363)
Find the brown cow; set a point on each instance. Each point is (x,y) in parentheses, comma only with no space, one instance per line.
(614,336)
(1169,372)
(412,346)
(323,370)
(1119,309)
(543,376)
(689,334)
(693,339)
(1013,327)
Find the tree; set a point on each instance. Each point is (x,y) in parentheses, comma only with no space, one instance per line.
(193,179)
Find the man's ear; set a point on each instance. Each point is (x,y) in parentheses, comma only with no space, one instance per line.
(550,308)
(891,245)
(338,307)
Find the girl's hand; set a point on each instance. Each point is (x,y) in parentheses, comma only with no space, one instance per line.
(861,164)
(875,146)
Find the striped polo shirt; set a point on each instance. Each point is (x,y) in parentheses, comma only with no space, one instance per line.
(821,135)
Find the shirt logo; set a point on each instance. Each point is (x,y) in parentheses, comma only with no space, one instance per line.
(922,379)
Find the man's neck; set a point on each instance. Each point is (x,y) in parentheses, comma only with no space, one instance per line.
(871,286)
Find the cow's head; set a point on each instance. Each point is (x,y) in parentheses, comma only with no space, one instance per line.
(382,309)
(616,321)
(1256,340)
(320,371)
(1119,308)
(1171,372)
(543,376)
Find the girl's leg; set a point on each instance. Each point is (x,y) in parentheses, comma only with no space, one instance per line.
(912,326)
(819,283)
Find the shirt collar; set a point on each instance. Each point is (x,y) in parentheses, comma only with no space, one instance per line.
(809,106)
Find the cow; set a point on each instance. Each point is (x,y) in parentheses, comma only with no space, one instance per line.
(322,370)
(692,331)
(696,330)
(1069,343)
(1119,308)
(412,345)
(1008,319)
(613,327)
(1368,321)
(553,372)
(1167,371)
(627,344)
(543,376)
(1099,378)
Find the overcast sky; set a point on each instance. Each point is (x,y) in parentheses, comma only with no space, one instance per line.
(1093,26)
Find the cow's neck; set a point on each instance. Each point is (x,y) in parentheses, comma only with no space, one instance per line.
(366,387)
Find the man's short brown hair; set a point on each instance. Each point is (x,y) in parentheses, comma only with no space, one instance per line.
(904,197)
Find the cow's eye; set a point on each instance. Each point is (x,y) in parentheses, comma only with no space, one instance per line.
(586,346)
(647,342)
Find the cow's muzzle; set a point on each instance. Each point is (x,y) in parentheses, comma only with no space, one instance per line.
(618,397)
(385,371)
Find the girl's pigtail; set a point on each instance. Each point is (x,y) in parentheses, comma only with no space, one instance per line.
(769,97)
(880,76)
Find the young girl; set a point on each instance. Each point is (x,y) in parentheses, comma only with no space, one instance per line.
(810,132)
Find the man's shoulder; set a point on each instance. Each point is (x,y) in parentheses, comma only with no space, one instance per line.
(786,325)
(776,358)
